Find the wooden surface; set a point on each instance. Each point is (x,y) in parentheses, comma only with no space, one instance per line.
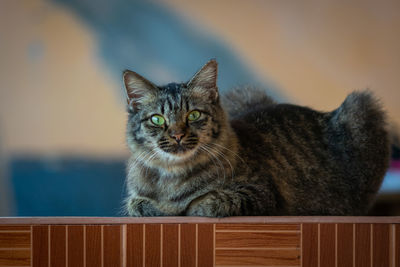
(152,245)
(170,244)
(309,245)
(15,240)
(205,245)
(362,245)
(381,244)
(14,258)
(112,246)
(134,244)
(188,245)
(246,257)
(327,245)
(40,245)
(396,243)
(261,245)
(75,236)
(58,245)
(375,243)
(93,245)
(344,244)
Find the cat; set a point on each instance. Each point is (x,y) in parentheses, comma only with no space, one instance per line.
(198,153)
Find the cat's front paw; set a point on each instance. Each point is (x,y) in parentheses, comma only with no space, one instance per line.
(142,207)
(209,205)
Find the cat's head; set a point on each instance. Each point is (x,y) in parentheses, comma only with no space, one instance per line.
(177,121)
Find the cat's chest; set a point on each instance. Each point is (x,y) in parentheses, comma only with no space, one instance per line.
(174,189)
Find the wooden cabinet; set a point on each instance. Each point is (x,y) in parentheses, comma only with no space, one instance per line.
(197,242)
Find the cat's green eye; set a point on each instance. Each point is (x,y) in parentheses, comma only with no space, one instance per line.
(194,115)
(158,120)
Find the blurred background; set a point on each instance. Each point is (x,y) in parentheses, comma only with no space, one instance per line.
(62,107)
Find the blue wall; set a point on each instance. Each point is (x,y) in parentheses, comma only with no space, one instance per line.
(68,186)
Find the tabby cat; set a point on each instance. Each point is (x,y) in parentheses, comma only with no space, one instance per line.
(197,153)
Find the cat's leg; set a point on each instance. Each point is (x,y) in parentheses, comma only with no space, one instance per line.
(239,202)
(213,204)
(139,207)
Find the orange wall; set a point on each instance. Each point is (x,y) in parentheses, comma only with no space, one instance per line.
(63,103)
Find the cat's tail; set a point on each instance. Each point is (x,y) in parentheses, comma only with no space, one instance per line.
(244,99)
(359,136)
(362,119)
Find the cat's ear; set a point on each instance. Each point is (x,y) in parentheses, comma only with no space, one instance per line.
(204,82)
(138,89)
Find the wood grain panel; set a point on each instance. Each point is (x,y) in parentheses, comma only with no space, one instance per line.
(237,242)
(112,245)
(362,245)
(75,245)
(134,245)
(257,240)
(170,245)
(57,246)
(397,246)
(380,245)
(152,245)
(286,257)
(15,258)
(40,246)
(259,227)
(309,245)
(15,227)
(327,245)
(205,245)
(15,240)
(345,245)
(188,245)
(93,245)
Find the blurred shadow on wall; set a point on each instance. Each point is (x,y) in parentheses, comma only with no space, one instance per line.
(150,39)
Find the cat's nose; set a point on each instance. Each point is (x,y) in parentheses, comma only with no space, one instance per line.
(178,136)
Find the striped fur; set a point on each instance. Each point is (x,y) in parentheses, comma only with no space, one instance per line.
(264,159)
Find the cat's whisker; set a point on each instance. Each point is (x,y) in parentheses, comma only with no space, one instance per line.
(233,153)
(133,166)
(150,158)
(219,162)
(212,158)
(224,157)
(140,159)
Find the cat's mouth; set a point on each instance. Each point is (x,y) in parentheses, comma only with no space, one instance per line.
(178,149)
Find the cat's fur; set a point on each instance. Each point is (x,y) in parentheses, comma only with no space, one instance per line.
(265,159)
